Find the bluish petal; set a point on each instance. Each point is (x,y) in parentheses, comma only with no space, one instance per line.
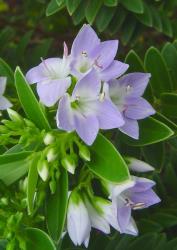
(123,215)
(4,103)
(65,119)
(130,128)
(36,74)
(86,127)
(108,115)
(116,69)
(137,83)
(138,108)
(50,92)
(88,87)
(85,41)
(142,184)
(132,228)
(148,197)
(105,53)
(3,81)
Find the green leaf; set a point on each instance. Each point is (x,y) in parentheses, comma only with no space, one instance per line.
(37,239)
(169,53)
(135,62)
(104,17)
(92,9)
(13,166)
(157,22)
(160,78)
(53,7)
(29,101)
(146,18)
(56,206)
(79,15)
(151,131)
(135,6)
(169,104)
(32,183)
(166,120)
(166,25)
(106,162)
(72,5)
(5,70)
(111,3)
(149,239)
(117,21)
(128,29)
(23,43)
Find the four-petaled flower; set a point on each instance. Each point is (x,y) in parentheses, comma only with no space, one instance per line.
(87,109)
(88,52)
(52,78)
(4,102)
(126,94)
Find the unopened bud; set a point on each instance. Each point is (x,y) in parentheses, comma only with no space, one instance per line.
(52,186)
(14,116)
(69,164)
(51,155)
(4,201)
(84,153)
(49,139)
(42,169)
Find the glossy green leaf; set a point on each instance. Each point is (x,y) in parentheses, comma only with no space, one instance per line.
(72,5)
(117,21)
(5,70)
(169,104)
(149,239)
(104,17)
(92,9)
(37,239)
(146,17)
(128,29)
(169,53)
(134,61)
(157,22)
(13,166)
(31,184)
(79,15)
(56,206)
(151,131)
(29,101)
(106,162)
(53,7)
(167,121)
(134,6)
(111,3)
(166,25)
(160,78)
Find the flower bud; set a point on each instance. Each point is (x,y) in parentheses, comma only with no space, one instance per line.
(52,186)
(51,155)
(137,165)
(14,116)
(84,153)
(69,164)
(42,169)
(49,139)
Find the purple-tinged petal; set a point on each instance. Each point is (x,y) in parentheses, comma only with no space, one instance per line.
(50,92)
(148,198)
(3,81)
(138,166)
(138,108)
(132,228)
(36,74)
(85,41)
(123,214)
(108,115)
(4,103)
(130,128)
(86,127)
(105,53)
(88,87)
(142,184)
(65,119)
(116,69)
(136,82)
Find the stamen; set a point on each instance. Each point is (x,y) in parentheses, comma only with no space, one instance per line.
(84,53)
(128,88)
(102,96)
(138,205)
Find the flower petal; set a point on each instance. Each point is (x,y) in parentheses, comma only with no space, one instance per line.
(50,93)
(86,127)
(138,108)
(105,53)
(108,115)
(142,184)
(86,40)
(36,74)
(4,103)
(117,189)
(115,69)
(88,87)
(138,166)
(132,228)
(136,81)
(130,128)
(3,81)
(65,118)
(148,197)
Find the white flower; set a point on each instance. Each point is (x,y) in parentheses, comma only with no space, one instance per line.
(138,166)
(78,222)
(4,103)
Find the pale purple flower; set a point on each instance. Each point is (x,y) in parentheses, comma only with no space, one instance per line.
(126,94)
(52,78)
(87,109)
(4,102)
(136,165)
(133,195)
(88,52)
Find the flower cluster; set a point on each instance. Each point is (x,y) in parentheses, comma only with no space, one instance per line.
(85,85)
(86,211)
